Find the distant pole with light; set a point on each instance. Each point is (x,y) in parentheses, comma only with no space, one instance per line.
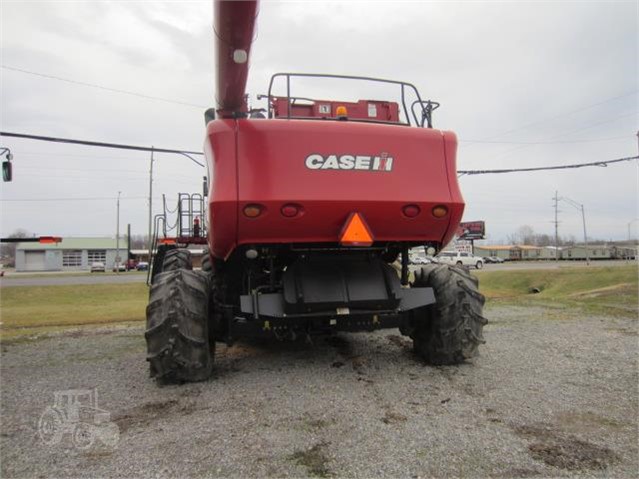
(630,229)
(583,218)
(117,238)
(580,206)
(556,198)
(630,242)
(151,206)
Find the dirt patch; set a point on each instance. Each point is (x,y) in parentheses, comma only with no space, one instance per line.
(400,342)
(607,291)
(345,349)
(341,345)
(143,415)
(565,451)
(586,421)
(312,424)
(520,472)
(393,418)
(314,460)
(317,423)
(624,331)
(359,364)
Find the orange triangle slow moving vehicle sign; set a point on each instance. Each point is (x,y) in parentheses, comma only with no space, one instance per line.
(356,232)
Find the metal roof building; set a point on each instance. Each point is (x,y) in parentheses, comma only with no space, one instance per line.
(71,254)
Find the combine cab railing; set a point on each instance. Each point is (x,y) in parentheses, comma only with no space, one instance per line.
(190,215)
(179,227)
(412,117)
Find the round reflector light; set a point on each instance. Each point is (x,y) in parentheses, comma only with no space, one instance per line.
(252,211)
(440,211)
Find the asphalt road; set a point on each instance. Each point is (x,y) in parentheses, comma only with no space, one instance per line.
(521,265)
(51,279)
(66,279)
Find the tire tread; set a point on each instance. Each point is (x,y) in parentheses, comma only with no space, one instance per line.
(450,331)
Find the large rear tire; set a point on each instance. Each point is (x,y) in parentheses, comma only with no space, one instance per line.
(179,258)
(177,333)
(449,331)
(158,260)
(206,261)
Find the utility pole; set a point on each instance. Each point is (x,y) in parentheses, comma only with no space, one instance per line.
(583,218)
(117,238)
(630,230)
(631,243)
(580,206)
(556,198)
(128,244)
(151,206)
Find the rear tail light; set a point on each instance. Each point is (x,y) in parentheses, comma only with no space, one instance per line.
(411,210)
(440,211)
(290,210)
(253,211)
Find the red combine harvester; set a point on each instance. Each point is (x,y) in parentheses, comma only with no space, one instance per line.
(312,209)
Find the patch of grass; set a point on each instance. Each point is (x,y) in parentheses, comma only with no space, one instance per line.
(15,275)
(565,451)
(596,290)
(314,460)
(28,310)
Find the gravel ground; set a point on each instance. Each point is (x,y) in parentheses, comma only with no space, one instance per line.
(552,394)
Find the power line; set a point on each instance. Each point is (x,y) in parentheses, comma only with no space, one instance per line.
(537,122)
(543,142)
(90,198)
(104,145)
(102,87)
(587,127)
(142,174)
(187,153)
(541,168)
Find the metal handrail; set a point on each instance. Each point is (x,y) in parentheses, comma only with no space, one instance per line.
(288,76)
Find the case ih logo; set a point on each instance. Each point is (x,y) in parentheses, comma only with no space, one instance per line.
(350,162)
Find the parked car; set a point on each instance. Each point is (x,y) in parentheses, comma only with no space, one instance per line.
(417,259)
(493,259)
(460,259)
(98,267)
(119,266)
(142,266)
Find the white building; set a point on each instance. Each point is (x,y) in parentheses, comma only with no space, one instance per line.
(71,254)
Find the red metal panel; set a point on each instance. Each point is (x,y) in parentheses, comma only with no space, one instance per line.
(273,172)
(234,23)
(457,211)
(220,152)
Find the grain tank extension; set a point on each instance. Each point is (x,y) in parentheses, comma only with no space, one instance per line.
(312,207)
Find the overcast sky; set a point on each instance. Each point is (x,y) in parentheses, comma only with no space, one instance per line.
(522,84)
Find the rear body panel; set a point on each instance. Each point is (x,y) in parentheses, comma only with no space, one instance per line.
(267,162)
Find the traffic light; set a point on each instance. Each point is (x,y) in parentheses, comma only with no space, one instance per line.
(7,167)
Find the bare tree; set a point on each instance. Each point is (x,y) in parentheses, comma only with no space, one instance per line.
(8,250)
(139,241)
(524,235)
(543,240)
